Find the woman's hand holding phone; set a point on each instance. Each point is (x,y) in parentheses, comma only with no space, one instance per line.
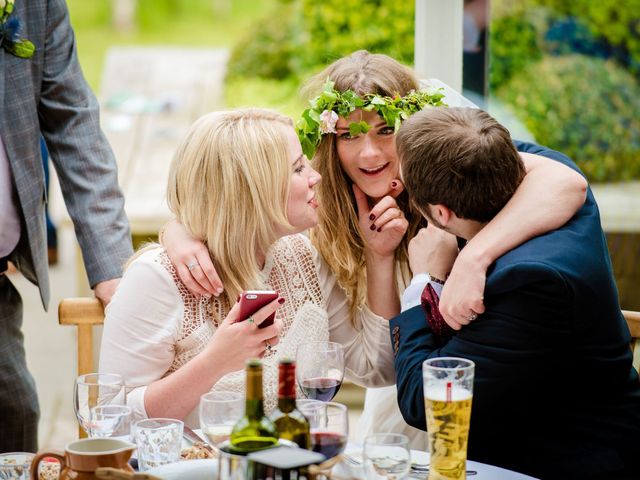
(236,339)
(253,300)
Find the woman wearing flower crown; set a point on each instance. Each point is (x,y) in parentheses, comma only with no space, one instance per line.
(240,181)
(360,198)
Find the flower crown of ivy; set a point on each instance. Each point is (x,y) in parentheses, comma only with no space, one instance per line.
(321,118)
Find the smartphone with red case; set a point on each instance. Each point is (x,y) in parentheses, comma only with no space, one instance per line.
(253,300)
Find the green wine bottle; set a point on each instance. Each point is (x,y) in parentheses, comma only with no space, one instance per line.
(254,431)
(289,421)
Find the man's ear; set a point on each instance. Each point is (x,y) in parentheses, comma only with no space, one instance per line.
(442,214)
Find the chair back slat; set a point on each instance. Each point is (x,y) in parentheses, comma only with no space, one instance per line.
(633,321)
(84,313)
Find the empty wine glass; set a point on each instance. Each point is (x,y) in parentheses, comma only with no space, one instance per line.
(110,421)
(329,425)
(320,369)
(96,389)
(386,456)
(219,412)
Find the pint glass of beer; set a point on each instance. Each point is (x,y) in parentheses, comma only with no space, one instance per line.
(448,391)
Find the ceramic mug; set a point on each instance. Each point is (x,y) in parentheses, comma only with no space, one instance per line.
(81,458)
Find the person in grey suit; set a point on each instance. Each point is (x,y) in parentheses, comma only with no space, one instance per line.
(43,92)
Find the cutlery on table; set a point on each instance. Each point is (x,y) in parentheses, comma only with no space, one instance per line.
(193,437)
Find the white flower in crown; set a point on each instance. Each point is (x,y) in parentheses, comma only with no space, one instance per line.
(3,3)
(328,120)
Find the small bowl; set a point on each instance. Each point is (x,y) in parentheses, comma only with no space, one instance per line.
(15,465)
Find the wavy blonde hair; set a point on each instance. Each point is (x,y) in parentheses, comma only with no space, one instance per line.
(338,237)
(228,185)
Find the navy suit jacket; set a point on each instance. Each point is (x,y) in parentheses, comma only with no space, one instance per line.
(555,395)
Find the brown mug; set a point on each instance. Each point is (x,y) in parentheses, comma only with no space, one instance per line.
(81,458)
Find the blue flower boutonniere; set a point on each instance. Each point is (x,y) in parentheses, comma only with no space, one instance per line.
(10,27)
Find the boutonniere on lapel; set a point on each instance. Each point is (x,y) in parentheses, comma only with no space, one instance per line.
(10,27)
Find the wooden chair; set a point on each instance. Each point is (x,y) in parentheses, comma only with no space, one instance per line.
(633,320)
(84,313)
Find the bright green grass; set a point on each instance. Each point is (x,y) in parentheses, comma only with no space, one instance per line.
(281,95)
(160,22)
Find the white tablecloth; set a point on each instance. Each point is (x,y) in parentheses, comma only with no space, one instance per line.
(483,471)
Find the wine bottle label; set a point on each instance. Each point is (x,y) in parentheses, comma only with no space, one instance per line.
(287,380)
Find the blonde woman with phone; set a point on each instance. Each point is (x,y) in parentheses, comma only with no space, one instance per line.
(240,182)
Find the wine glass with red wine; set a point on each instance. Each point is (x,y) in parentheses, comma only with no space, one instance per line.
(320,369)
(329,424)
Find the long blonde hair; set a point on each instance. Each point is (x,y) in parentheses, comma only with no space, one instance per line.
(228,185)
(338,237)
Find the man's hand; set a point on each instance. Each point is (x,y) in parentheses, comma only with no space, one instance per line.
(105,290)
(462,298)
(432,251)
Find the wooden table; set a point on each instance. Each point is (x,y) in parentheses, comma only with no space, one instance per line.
(149,98)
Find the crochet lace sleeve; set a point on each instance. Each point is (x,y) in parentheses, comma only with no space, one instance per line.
(141,328)
(366,339)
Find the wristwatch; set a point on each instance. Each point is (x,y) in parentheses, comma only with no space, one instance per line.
(436,279)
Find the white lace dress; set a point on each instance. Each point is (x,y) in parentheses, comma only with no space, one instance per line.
(153,325)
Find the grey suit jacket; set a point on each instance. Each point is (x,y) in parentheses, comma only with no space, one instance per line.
(47,95)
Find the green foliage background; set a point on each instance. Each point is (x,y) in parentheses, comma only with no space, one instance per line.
(586,107)
(308,35)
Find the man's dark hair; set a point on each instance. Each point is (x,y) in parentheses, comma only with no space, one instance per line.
(461,158)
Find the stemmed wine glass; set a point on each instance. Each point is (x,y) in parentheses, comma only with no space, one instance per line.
(329,424)
(98,389)
(320,369)
(219,412)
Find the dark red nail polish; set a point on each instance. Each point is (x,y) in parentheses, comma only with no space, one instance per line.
(380,229)
(238,299)
(373,226)
(281,300)
(372,217)
(394,184)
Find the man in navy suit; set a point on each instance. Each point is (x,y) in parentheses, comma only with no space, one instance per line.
(555,394)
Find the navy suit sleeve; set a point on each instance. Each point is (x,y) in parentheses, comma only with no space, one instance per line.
(525,325)
(416,342)
(526,147)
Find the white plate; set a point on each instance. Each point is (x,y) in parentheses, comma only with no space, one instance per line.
(202,469)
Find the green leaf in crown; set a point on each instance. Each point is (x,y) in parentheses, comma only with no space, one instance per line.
(325,110)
